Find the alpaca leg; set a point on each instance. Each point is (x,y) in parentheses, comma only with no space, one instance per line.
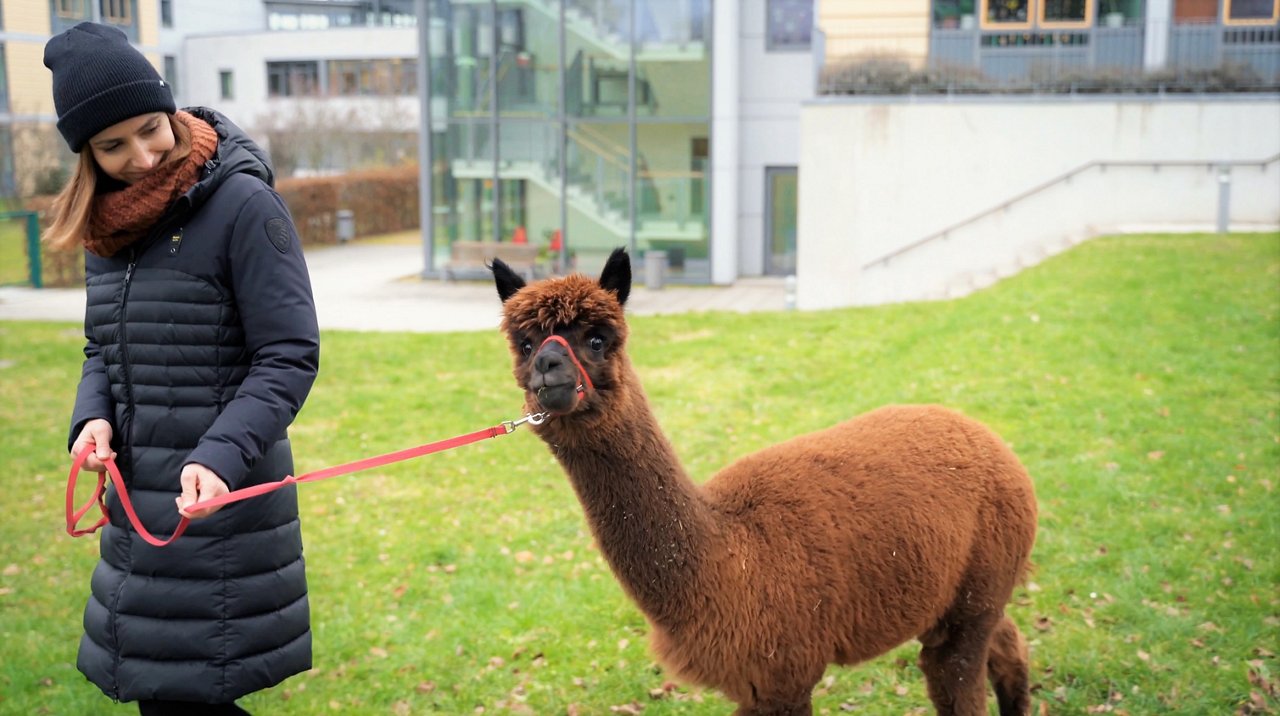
(1007,669)
(954,662)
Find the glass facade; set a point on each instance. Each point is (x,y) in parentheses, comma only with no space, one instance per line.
(579,127)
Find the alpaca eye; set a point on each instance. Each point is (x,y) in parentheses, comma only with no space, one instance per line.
(596,343)
(526,348)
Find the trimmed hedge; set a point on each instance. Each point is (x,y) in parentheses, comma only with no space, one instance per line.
(383,200)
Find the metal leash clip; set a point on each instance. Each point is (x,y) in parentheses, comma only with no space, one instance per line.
(535,419)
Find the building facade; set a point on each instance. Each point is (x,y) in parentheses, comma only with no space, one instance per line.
(582,125)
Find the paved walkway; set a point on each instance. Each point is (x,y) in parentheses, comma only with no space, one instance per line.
(375,287)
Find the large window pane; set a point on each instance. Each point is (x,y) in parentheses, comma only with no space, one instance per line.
(671,191)
(293,79)
(598,52)
(528,62)
(781,208)
(4,82)
(8,183)
(466,151)
(673,60)
(469,59)
(598,199)
(530,184)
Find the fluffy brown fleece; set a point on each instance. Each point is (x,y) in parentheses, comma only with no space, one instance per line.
(833,547)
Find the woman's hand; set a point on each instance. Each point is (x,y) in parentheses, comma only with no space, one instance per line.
(96,432)
(199,483)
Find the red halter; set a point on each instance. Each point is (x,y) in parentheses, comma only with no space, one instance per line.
(586,379)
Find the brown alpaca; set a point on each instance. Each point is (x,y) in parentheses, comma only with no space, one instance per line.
(830,548)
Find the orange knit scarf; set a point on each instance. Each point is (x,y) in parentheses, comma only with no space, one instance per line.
(122,217)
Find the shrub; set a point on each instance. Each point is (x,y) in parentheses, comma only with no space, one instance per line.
(384,200)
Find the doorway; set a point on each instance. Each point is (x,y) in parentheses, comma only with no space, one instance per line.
(780,201)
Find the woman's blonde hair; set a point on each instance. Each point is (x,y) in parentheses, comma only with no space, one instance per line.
(73,206)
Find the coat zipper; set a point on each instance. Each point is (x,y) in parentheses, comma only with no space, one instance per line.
(126,440)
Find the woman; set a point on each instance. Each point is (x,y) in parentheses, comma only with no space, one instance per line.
(202,344)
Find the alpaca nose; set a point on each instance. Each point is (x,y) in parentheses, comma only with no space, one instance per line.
(549,359)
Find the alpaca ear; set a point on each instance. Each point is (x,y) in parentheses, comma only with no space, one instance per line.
(507,281)
(616,275)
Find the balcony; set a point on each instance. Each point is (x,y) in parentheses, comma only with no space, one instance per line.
(1128,57)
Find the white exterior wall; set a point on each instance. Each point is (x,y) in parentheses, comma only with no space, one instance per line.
(771,88)
(247,55)
(725,147)
(200,17)
(878,176)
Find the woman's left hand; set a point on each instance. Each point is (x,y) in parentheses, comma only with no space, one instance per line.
(199,483)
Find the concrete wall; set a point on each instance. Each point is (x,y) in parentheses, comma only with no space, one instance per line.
(876,176)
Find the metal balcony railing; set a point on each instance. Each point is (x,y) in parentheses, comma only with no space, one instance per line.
(1133,57)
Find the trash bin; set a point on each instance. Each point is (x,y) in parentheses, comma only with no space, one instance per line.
(346,225)
(655,268)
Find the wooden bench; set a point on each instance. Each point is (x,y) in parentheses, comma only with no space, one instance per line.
(470,259)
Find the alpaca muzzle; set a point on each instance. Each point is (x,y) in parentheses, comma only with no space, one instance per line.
(560,380)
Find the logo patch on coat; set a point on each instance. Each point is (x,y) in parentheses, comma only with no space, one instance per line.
(278,232)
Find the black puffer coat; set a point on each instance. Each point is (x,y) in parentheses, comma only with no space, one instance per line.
(202,345)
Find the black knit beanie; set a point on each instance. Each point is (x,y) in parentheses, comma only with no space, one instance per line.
(99,79)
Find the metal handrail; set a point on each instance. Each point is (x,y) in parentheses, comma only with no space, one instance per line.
(1062,178)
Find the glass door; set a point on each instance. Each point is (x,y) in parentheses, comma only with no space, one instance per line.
(781,201)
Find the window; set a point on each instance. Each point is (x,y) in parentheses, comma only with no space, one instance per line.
(65,14)
(789,25)
(952,14)
(226,84)
(71,9)
(4,83)
(781,202)
(8,182)
(293,79)
(117,12)
(1049,14)
(1252,12)
(166,13)
(350,78)
(171,72)
(1066,13)
(1006,13)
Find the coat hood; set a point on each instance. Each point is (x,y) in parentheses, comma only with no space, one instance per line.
(236,154)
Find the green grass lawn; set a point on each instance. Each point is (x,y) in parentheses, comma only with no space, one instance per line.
(1138,379)
(13,252)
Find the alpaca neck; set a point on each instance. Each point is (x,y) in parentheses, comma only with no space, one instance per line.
(651,522)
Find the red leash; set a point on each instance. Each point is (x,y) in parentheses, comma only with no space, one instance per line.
(74,515)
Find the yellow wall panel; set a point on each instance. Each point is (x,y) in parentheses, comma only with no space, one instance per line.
(148,24)
(30,84)
(28,16)
(897,28)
